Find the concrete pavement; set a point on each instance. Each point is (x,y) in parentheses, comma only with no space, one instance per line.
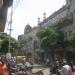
(46,71)
(38,67)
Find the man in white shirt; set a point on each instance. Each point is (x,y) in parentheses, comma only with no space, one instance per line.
(65,69)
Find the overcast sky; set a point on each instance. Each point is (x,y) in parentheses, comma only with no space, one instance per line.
(29,10)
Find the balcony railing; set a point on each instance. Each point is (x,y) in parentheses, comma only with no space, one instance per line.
(67,20)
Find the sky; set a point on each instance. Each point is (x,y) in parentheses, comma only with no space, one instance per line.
(28,11)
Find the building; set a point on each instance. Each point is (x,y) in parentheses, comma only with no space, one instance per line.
(4,4)
(64,18)
(28,41)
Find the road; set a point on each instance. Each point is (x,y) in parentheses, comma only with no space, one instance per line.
(45,70)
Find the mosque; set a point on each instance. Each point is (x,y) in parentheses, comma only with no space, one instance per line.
(64,18)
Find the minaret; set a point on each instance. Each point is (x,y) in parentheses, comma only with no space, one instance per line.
(38,20)
(44,16)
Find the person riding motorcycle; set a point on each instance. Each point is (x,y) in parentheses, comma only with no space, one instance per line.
(3,68)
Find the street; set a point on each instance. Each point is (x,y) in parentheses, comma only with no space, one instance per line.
(45,70)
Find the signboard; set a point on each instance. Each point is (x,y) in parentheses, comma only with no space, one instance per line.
(8,55)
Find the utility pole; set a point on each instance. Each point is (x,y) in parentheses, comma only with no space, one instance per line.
(10,29)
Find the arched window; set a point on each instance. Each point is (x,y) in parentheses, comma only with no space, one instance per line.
(28,29)
(35,44)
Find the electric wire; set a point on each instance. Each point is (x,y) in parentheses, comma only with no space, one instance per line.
(12,11)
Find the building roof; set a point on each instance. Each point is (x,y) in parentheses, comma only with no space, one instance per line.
(53,15)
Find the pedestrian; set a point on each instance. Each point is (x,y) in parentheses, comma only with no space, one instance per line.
(72,69)
(28,70)
(3,68)
(57,67)
(54,69)
(47,62)
(65,68)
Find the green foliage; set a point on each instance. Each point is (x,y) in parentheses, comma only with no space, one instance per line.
(4,43)
(50,37)
(72,39)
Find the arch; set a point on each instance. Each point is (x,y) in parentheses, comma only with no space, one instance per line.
(35,44)
(29,55)
(28,29)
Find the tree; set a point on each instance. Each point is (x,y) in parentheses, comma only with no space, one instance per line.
(4,43)
(50,37)
(72,39)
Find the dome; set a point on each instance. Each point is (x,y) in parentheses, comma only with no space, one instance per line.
(28,29)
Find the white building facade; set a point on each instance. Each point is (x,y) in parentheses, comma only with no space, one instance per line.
(64,19)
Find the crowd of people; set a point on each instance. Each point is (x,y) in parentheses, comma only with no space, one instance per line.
(66,68)
(9,66)
(3,68)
